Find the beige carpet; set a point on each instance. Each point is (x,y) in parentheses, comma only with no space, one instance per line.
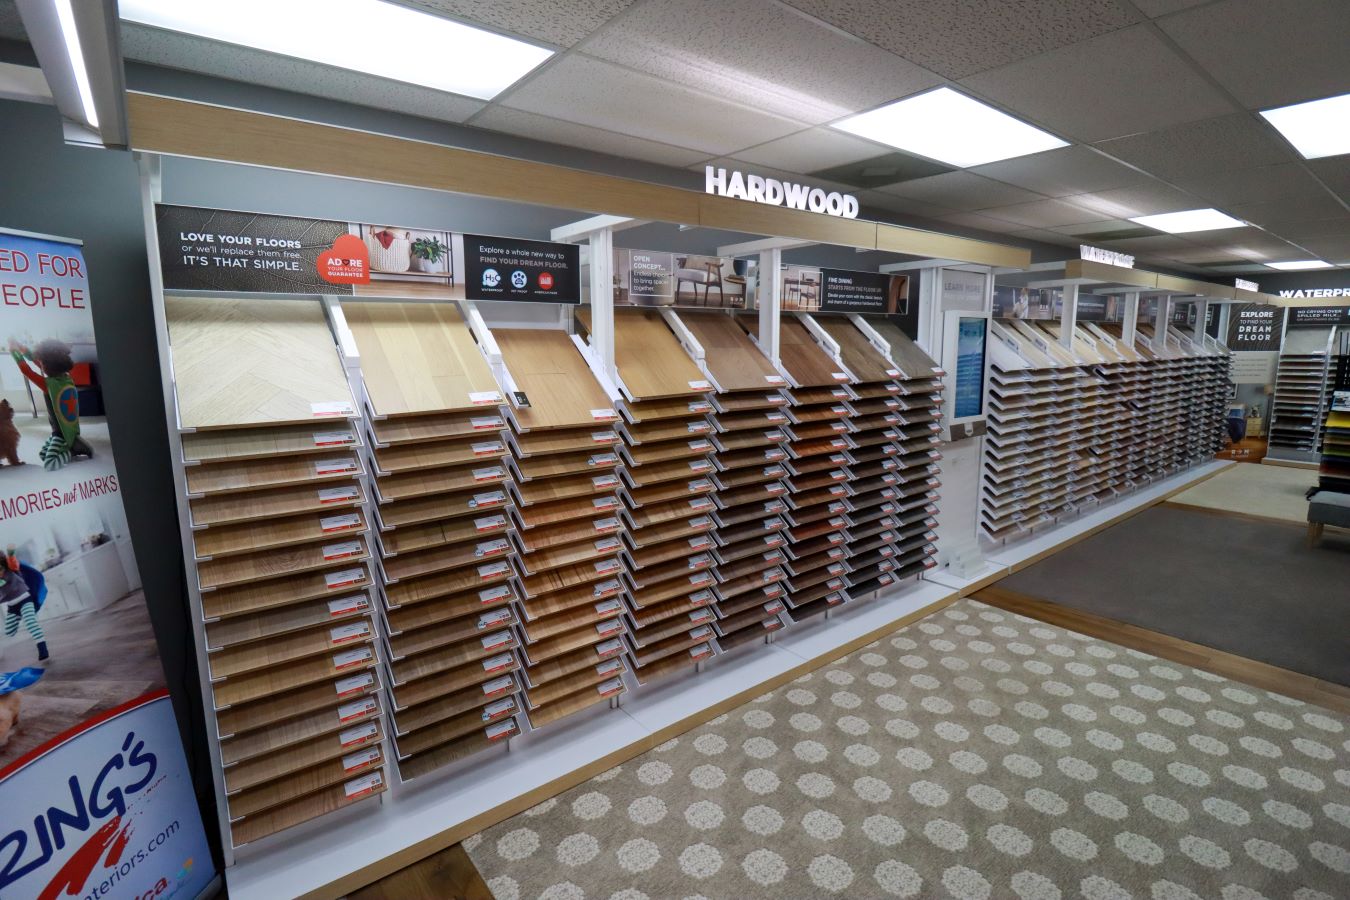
(974,755)
(1271,492)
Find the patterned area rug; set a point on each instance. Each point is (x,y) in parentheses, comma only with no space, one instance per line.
(976,754)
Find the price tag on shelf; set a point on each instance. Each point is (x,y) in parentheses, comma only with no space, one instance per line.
(348,605)
(334,438)
(491,498)
(344,550)
(345,687)
(492,473)
(492,548)
(482,423)
(608,607)
(494,570)
(363,759)
(700,385)
(604,415)
(489,523)
(606,649)
(487,448)
(499,686)
(774,379)
(495,710)
(605,481)
(485,398)
(357,709)
(499,662)
(361,734)
(329,524)
(605,629)
(501,730)
(604,437)
(700,446)
(335,466)
(332,409)
(338,494)
(606,588)
(363,786)
(495,619)
(610,688)
(345,634)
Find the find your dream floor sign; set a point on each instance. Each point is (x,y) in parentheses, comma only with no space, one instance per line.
(95,796)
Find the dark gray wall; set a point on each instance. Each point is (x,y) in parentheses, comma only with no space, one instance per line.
(94,195)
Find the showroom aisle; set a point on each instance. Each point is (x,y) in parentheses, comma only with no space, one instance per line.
(976,752)
(1254,490)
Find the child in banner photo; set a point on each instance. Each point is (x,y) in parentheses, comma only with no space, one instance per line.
(61,397)
(22,593)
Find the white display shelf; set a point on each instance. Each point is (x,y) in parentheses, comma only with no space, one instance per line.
(448,806)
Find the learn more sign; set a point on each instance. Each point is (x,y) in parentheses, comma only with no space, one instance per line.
(772,192)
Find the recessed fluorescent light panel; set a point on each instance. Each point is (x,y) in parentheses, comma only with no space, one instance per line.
(71,35)
(1317,128)
(1298,265)
(369,36)
(1189,220)
(950,127)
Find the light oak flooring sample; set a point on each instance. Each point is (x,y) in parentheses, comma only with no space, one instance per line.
(258,443)
(732,357)
(219,509)
(805,360)
(859,356)
(649,357)
(278,818)
(253,362)
(549,368)
(436,426)
(274,711)
(904,352)
(343,578)
(245,537)
(417,357)
(255,474)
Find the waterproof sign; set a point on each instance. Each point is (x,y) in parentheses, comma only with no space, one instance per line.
(95,797)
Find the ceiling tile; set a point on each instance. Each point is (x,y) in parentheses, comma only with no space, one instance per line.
(1335,174)
(11,26)
(544,128)
(1199,255)
(236,63)
(1331,249)
(1268,53)
(1256,185)
(1120,83)
(1061,172)
(809,151)
(1273,213)
(1209,145)
(1153,243)
(961,191)
(903,205)
(1338,226)
(982,222)
(563,24)
(1043,213)
(596,93)
(960,39)
(1156,8)
(1098,226)
(1136,200)
(1045,236)
(886,169)
(760,53)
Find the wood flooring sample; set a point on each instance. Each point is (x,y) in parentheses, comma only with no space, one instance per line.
(549,368)
(254,362)
(732,357)
(419,358)
(805,360)
(649,357)
(862,359)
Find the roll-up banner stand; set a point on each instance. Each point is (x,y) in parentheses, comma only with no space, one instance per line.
(95,795)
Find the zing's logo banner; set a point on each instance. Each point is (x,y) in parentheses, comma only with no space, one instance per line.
(96,800)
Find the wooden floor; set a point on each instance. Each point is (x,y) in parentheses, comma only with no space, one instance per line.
(451,874)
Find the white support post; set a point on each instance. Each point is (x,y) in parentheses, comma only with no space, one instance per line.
(578,231)
(602,300)
(1129,319)
(1162,319)
(1068,322)
(1201,314)
(769,298)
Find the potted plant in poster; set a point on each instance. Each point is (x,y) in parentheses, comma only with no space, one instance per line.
(427,253)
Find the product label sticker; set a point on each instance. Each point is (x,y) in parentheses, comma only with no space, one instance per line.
(606,566)
(354,684)
(492,548)
(775,506)
(775,453)
(702,542)
(774,540)
(605,545)
(702,651)
(335,466)
(495,619)
(609,667)
(499,686)
(499,708)
(487,448)
(605,481)
(773,625)
(776,417)
(493,594)
(775,436)
(772,556)
(338,494)
(700,406)
(893,388)
(605,629)
(771,575)
(700,522)
(344,550)
(357,709)
(700,615)
(345,634)
(700,385)
(606,588)
(345,606)
(890,403)
(606,525)
(698,427)
(358,735)
(604,415)
(481,423)
(700,465)
(777,399)
(498,662)
(346,522)
(698,598)
(500,730)
(773,472)
(602,459)
(835,553)
(702,561)
(838,443)
(839,394)
(344,578)
(834,584)
(366,784)
(700,446)
(700,484)
(332,409)
(773,590)
(773,607)
(774,379)
(355,657)
(775,487)
(610,687)
(608,607)
(601,504)
(838,475)
(606,649)
(492,473)
(893,373)
(494,570)
(836,598)
(334,438)
(700,579)
(489,523)
(354,762)
(835,538)
(489,499)
(484,398)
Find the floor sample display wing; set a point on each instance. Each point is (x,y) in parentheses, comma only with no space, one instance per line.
(1301,393)
(1072,427)
(570,607)
(668,497)
(281,544)
(438,455)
